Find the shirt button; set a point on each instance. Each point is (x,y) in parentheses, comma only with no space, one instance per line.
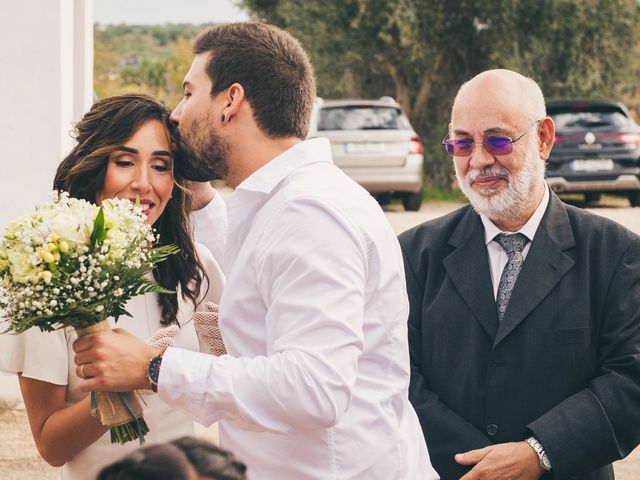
(492,429)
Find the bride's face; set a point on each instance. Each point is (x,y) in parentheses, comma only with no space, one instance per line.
(141,168)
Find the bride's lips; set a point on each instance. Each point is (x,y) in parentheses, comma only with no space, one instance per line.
(144,202)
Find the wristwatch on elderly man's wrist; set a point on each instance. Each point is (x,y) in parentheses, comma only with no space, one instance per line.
(543,458)
(153,372)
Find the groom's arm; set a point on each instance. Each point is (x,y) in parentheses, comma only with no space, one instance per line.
(312,280)
(209,218)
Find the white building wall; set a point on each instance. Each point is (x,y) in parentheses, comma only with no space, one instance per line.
(46,84)
(46,76)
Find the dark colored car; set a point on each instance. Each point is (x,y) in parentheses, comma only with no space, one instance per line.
(597,150)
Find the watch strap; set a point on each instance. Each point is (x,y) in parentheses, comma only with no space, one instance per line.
(543,458)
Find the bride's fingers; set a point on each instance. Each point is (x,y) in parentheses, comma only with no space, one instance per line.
(83,371)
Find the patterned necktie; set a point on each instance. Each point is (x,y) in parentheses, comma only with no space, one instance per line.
(513,245)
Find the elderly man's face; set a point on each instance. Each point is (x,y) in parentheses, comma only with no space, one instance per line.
(498,186)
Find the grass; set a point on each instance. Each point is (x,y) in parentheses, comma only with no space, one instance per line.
(443,195)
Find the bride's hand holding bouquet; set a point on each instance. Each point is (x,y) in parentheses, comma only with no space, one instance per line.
(74,264)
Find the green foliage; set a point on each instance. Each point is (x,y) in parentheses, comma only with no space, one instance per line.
(150,59)
(421,51)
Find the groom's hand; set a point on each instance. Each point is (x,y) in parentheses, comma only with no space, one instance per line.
(113,361)
(201,194)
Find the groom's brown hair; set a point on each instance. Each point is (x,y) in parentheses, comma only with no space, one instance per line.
(271,66)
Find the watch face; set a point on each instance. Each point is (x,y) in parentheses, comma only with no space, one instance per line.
(154,369)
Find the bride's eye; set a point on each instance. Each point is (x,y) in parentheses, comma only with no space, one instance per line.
(161,166)
(123,162)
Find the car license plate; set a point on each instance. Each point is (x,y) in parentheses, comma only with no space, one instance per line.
(592,165)
(364,147)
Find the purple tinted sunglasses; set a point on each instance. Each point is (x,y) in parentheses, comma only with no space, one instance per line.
(492,145)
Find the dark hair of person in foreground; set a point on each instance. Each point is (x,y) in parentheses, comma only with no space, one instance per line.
(209,460)
(156,462)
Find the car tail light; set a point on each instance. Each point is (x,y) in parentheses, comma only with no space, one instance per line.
(629,138)
(416,145)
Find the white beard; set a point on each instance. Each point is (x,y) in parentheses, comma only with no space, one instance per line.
(511,202)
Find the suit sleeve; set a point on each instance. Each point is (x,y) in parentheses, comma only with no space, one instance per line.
(599,424)
(446,432)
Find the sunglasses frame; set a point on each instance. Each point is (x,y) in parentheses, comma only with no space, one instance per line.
(510,142)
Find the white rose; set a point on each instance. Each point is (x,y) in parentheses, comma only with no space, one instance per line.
(73,227)
(22,267)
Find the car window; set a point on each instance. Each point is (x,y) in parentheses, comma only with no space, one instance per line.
(362,118)
(570,119)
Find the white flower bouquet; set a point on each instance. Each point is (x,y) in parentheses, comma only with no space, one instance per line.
(74,264)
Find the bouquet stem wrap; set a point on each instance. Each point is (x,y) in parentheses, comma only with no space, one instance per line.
(120,411)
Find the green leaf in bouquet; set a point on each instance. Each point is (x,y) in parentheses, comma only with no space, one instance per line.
(158,254)
(99,230)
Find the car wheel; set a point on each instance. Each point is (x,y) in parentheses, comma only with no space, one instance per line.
(383,199)
(592,197)
(634,198)
(412,201)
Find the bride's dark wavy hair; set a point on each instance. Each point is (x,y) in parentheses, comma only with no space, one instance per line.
(109,124)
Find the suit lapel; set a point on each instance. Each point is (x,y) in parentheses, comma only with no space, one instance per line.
(545,265)
(468,268)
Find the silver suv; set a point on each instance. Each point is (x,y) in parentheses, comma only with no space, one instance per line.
(374,143)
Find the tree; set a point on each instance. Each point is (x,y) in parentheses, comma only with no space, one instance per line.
(420,51)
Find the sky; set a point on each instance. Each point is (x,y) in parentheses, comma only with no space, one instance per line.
(150,12)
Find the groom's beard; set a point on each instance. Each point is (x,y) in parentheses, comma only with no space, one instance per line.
(200,153)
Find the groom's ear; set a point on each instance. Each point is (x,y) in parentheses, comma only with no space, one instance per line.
(234,99)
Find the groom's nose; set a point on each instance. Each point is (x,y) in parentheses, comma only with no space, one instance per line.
(175,115)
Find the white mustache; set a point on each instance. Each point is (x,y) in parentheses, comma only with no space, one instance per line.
(494,171)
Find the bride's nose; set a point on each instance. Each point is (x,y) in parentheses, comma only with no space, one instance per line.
(140,182)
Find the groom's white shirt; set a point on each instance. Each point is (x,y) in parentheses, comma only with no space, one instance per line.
(314,319)
(210,226)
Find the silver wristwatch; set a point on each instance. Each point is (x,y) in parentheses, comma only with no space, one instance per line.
(543,458)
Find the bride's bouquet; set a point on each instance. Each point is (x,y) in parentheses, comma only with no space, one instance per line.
(74,264)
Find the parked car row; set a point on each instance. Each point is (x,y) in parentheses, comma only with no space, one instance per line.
(596,151)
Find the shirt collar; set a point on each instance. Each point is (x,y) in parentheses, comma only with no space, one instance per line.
(528,229)
(267,177)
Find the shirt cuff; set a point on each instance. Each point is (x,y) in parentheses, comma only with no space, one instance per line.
(196,383)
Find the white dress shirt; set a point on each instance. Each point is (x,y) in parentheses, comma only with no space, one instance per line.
(497,255)
(314,318)
(210,226)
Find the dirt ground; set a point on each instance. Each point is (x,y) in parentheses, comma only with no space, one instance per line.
(19,459)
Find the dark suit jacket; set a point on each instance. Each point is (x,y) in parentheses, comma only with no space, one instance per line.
(564,364)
